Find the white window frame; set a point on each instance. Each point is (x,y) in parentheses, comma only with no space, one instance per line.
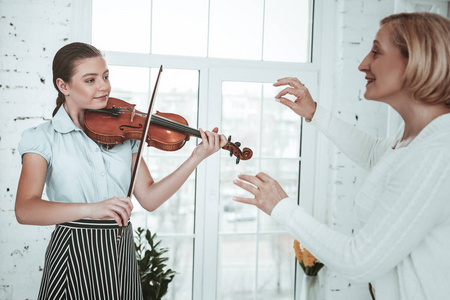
(318,76)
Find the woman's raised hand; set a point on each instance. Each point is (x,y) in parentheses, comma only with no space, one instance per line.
(116,208)
(211,143)
(303,105)
(267,191)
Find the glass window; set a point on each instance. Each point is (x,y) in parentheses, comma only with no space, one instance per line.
(121,25)
(267,30)
(236,29)
(289,39)
(180,27)
(244,254)
(254,262)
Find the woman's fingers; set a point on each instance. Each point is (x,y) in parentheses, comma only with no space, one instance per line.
(292,81)
(251,188)
(266,190)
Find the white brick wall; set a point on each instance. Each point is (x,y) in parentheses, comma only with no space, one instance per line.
(356,23)
(31,32)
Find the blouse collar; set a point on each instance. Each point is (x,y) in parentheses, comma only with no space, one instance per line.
(62,122)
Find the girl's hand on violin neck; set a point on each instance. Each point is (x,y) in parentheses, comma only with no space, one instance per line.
(116,208)
(267,191)
(303,105)
(211,143)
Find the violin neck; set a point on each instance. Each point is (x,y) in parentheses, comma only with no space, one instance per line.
(161,121)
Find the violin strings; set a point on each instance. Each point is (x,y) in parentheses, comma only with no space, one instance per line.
(158,120)
(174,125)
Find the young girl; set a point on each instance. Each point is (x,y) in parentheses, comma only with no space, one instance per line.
(87,187)
(403,205)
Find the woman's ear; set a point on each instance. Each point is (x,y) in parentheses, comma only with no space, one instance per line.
(63,86)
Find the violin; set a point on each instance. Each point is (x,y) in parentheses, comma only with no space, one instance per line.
(120,121)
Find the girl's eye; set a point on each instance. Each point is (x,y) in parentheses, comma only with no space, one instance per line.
(106,77)
(90,80)
(375,51)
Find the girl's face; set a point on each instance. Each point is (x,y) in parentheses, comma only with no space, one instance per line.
(385,68)
(89,87)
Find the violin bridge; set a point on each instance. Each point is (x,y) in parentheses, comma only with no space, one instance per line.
(133,113)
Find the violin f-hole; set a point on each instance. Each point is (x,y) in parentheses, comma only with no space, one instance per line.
(121,127)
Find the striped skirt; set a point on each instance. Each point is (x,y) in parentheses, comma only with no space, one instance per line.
(84,260)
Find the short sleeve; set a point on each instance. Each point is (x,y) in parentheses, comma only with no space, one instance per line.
(34,140)
(135,146)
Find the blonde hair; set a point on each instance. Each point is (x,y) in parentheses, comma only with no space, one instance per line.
(424,38)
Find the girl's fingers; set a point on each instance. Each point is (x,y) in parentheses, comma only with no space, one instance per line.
(223,140)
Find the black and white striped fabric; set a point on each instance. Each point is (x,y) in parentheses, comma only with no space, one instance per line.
(84,260)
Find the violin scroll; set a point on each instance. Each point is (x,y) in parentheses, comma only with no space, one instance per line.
(234,149)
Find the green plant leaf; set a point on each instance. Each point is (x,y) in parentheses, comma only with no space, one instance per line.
(154,278)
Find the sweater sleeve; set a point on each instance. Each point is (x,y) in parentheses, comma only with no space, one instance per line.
(414,200)
(362,148)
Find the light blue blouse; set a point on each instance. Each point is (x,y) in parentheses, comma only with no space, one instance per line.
(78,169)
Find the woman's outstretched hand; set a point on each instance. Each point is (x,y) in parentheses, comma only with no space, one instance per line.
(267,191)
(303,105)
(211,143)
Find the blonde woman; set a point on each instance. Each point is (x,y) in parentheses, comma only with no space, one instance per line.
(404,204)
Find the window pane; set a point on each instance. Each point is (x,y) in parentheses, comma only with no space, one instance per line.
(236,29)
(287,40)
(241,115)
(130,84)
(236,267)
(273,133)
(234,216)
(286,172)
(121,25)
(178,213)
(180,27)
(180,256)
(280,127)
(276,267)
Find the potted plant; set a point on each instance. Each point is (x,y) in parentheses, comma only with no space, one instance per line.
(155,278)
(310,266)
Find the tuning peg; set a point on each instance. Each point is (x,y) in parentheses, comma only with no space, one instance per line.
(231,153)
(229,138)
(238,159)
(238,144)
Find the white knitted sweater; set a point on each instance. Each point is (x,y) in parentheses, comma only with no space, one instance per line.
(403,246)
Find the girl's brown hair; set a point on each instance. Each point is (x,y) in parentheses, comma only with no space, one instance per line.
(65,62)
(424,38)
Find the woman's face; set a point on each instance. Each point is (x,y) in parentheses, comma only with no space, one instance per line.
(89,87)
(385,68)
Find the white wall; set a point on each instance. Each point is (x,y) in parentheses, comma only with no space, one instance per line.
(31,32)
(356,23)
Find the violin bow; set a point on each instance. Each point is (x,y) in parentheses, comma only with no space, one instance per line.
(141,145)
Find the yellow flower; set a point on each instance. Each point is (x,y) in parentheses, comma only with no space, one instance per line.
(307,261)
